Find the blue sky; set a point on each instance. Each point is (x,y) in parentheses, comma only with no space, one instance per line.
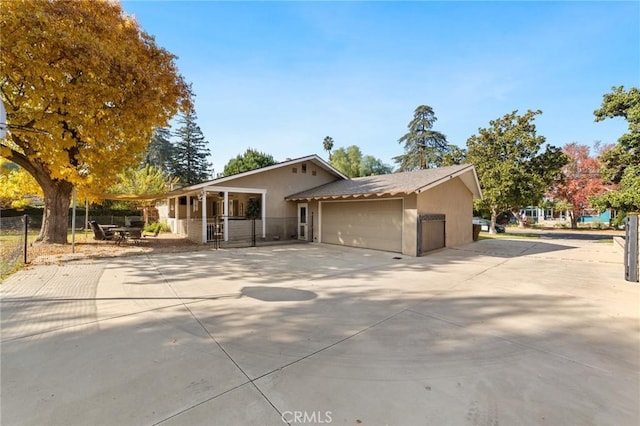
(280,76)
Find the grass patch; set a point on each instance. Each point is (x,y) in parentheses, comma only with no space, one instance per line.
(12,248)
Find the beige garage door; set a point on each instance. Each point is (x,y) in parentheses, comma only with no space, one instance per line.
(366,224)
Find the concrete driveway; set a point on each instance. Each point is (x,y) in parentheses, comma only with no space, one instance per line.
(496,332)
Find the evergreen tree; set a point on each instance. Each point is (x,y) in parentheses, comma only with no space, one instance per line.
(423,147)
(190,151)
(160,150)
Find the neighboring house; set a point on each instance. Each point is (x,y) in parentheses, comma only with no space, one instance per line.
(550,216)
(594,216)
(308,199)
(534,214)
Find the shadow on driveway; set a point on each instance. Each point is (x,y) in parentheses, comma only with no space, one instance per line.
(494,332)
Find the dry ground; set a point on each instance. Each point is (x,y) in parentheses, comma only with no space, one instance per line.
(87,247)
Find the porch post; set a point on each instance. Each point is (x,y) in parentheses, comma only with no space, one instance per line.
(226,215)
(204,217)
(188,213)
(177,215)
(264,214)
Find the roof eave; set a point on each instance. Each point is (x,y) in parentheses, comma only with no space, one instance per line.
(473,186)
(214,182)
(344,196)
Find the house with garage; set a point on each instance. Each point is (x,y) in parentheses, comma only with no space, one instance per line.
(308,199)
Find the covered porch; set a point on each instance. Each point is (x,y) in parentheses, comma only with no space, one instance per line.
(216,213)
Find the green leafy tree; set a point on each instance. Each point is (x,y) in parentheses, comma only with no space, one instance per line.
(626,198)
(83,86)
(371,166)
(454,156)
(513,173)
(327,144)
(190,151)
(253,208)
(347,160)
(621,165)
(423,147)
(147,180)
(352,163)
(250,160)
(160,150)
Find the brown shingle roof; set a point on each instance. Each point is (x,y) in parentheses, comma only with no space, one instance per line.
(391,184)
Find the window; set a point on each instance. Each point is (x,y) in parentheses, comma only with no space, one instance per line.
(233,207)
(304,168)
(313,172)
(294,170)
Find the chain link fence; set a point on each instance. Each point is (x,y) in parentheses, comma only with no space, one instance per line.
(15,233)
(18,233)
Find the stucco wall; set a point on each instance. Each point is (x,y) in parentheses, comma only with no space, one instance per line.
(455,201)
(278,183)
(282,182)
(194,230)
(410,228)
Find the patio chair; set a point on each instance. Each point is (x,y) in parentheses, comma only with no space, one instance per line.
(100,234)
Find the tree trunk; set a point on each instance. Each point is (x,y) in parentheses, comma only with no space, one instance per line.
(494,217)
(518,217)
(57,198)
(522,220)
(574,219)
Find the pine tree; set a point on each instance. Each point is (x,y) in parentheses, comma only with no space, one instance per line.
(160,150)
(190,151)
(423,147)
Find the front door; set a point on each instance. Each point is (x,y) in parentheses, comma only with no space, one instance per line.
(303,226)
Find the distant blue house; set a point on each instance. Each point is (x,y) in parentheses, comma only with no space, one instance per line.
(591,216)
(539,214)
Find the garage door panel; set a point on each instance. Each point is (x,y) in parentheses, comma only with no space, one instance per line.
(366,224)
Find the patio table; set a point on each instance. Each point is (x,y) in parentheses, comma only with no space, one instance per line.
(123,233)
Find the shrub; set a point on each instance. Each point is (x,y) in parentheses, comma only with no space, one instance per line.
(151,227)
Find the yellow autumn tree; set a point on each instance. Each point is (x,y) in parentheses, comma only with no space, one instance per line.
(83,86)
(17,187)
